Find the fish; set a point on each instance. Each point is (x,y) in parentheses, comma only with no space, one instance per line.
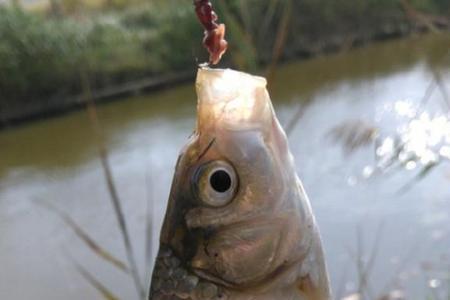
(238,223)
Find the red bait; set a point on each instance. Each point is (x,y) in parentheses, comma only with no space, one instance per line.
(214,40)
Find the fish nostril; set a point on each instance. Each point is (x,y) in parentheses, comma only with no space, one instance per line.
(220,181)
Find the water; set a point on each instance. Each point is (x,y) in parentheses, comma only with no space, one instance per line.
(56,160)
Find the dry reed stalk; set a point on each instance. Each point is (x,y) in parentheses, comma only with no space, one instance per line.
(115,200)
(85,237)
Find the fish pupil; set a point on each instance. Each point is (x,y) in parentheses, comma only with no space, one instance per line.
(220,181)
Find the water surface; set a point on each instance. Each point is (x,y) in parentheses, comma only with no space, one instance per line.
(56,160)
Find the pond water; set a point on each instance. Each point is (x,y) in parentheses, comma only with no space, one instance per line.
(407,229)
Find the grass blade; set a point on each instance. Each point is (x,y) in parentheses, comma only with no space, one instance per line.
(103,290)
(293,121)
(267,21)
(85,237)
(354,134)
(244,56)
(114,197)
(149,222)
(280,42)
(421,175)
(442,88)
(418,17)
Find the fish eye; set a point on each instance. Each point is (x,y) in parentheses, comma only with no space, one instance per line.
(220,181)
(216,183)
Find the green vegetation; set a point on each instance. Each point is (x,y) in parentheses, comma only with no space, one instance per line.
(43,51)
(42,57)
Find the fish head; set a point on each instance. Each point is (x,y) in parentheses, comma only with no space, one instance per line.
(237,217)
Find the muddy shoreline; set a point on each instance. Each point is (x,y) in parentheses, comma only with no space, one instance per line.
(59,106)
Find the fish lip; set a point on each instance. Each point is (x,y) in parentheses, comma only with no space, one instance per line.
(214,279)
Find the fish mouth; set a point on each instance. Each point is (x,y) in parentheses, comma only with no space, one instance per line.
(212,278)
(231,99)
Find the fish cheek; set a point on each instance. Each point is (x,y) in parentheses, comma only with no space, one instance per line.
(244,254)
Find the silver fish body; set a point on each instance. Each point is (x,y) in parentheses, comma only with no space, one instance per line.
(238,225)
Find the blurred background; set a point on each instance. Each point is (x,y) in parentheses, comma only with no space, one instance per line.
(361,86)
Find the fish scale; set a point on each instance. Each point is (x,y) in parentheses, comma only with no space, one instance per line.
(172,281)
